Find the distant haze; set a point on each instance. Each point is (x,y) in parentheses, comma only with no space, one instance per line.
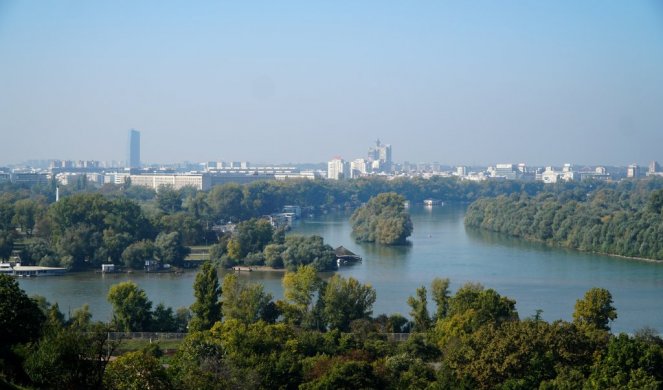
(467,82)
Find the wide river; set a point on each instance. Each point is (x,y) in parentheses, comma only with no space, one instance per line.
(536,276)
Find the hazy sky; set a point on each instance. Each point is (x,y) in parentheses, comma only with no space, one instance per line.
(471,82)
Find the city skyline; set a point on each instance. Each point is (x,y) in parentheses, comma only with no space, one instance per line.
(458,83)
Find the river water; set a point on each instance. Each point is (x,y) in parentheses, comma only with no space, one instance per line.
(536,276)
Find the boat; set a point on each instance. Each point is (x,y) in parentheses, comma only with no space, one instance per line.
(26,271)
(433,202)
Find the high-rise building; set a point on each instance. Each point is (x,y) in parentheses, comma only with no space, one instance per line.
(382,154)
(654,167)
(133,154)
(633,171)
(337,169)
(357,168)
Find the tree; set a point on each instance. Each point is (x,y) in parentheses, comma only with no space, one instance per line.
(301,250)
(346,375)
(440,293)
(66,358)
(6,244)
(482,305)
(383,220)
(595,310)
(26,213)
(35,250)
(251,237)
(299,290)
(131,308)
(163,319)
(274,255)
(419,312)
(81,319)
(169,200)
(347,300)
(80,243)
(20,317)
(137,253)
(246,302)
(226,202)
(207,308)
(169,248)
(136,370)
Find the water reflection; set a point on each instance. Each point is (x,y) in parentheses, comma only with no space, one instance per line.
(537,276)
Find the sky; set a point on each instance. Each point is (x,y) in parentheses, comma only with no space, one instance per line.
(457,82)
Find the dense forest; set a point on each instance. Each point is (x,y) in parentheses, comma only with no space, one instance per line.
(125,224)
(322,335)
(624,219)
(383,219)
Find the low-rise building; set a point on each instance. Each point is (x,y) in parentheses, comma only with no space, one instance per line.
(199,181)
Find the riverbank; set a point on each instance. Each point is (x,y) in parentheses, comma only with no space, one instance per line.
(258,268)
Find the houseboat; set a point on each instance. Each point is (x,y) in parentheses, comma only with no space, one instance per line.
(30,271)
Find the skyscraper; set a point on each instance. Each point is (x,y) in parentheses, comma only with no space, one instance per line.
(133,154)
(381,153)
(337,169)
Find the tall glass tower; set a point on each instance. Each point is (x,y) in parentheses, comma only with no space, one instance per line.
(133,154)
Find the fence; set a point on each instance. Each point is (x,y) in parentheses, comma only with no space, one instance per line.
(397,337)
(145,336)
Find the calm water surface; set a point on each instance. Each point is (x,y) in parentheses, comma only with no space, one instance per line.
(536,276)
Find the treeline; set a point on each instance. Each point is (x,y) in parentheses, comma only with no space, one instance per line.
(256,243)
(127,224)
(624,219)
(323,335)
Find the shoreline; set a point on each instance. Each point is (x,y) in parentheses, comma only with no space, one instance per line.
(559,246)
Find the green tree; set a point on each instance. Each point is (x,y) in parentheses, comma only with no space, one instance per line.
(346,300)
(226,202)
(135,255)
(26,213)
(132,311)
(136,370)
(65,358)
(34,250)
(207,308)
(274,255)
(163,319)
(299,289)
(346,375)
(440,292)
(81,318)
(251,237)
(302,250)
(169,248)
(20,317)
(595,309)
(6,244)
(629,363)
(419,312)
(246,302)
(168,199)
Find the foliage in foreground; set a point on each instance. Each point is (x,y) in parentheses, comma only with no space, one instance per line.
(323,336)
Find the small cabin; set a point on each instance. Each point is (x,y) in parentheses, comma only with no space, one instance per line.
(108,268)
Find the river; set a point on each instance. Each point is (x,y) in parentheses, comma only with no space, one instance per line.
(535,275)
